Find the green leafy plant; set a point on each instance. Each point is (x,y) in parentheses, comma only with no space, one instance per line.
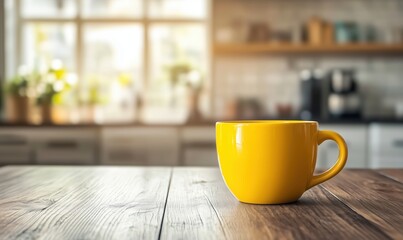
(17,86)
(52,86)
(47,95)
(94,94)
(178,69)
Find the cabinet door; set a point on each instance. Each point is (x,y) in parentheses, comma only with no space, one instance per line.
(356,138)
(140,146)
(198,146)
(386,146)
(15,147)
(65,146)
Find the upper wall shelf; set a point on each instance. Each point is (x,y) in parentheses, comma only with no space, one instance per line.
(283,48)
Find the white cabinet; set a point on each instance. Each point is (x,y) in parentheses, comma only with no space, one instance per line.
(140,146)
(386,146)
(355,135)
(15,146)
(52,145)
(198,146)
(65,145)
(374,145)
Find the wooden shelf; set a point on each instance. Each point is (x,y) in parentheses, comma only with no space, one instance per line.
(267,48)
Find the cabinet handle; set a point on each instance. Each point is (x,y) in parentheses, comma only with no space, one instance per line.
(62,144)
(398,143)
(128,156)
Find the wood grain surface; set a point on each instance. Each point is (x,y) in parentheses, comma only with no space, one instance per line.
(200,207)
(190,203)
(395,174)
(374,196)
(82,202)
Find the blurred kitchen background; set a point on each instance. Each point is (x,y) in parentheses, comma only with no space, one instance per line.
(142,82)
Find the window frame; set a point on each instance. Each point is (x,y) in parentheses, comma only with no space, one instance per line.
(80,20)
(2,43)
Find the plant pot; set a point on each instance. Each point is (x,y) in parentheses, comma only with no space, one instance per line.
(194,114)
(46,111)
(17,109)
(87,113)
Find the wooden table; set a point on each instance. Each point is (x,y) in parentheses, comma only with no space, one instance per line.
(190,203)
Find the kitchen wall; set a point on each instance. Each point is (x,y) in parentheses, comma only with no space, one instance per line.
(274,79)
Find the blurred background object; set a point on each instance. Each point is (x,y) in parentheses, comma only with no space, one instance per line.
(165,70)
(344,100)
(120,53)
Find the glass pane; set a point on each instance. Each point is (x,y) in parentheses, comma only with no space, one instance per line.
(176,51)
(48,41)
(113,69)
(177,8)
(179,44)
(9,37)
(112,8)
(49,8)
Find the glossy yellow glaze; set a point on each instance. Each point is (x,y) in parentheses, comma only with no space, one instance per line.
(271,162)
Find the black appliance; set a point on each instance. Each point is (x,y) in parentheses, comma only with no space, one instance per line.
(311,86)
(343,100)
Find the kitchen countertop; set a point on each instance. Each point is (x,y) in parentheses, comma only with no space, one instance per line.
(61,202)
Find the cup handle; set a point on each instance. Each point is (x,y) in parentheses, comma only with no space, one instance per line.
(341,161)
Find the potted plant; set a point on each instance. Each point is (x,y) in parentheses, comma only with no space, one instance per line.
(185,73)
(194,84)
(50,89)
(177,74)
(17,101)
(45,101)
(92,99)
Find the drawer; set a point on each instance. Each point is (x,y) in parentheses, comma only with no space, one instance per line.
(386,160)
(132,133)
(386,146)
(386,138)
(200,157)
(355,159)
(164,157)
(47,156)
(78,134)
(354,135)
(49,145)
(141,156)
(126,156)
(65,151)
(15,155)
(149,142)
(140,146)
(14,148)
(356,140)
(198,134)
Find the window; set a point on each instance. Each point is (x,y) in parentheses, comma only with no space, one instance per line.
(119,50)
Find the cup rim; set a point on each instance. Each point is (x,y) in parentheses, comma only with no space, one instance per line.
(266,122)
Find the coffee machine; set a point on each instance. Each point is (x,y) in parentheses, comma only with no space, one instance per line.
(343,98)
(333,95)
(311,86)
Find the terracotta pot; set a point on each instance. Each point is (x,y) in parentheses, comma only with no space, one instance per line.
(46,110)
(193,106)
(17,109)
(87,113)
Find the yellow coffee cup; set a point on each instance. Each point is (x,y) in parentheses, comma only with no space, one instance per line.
(272,162)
